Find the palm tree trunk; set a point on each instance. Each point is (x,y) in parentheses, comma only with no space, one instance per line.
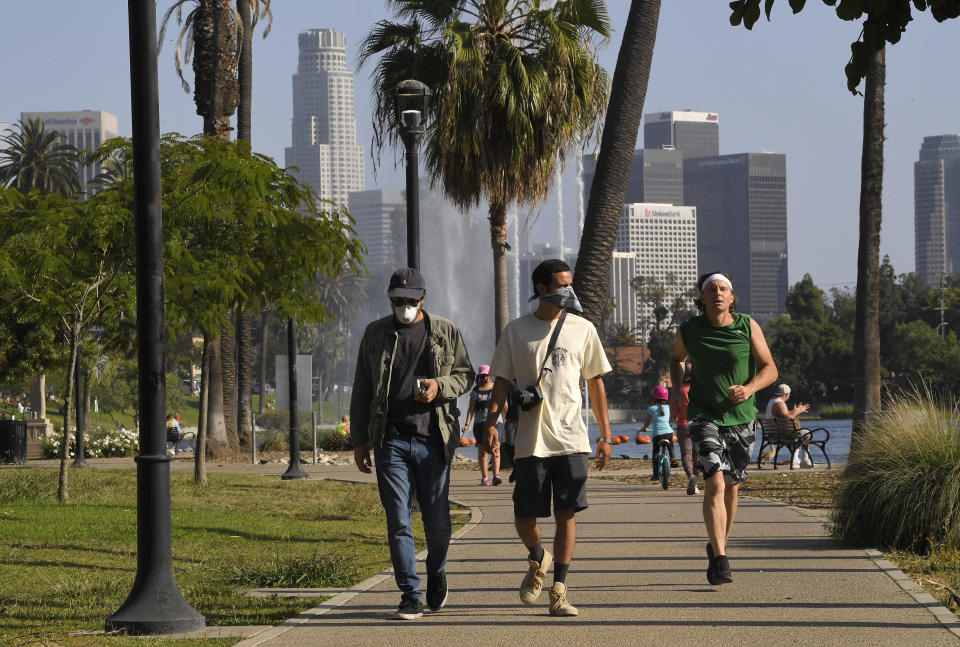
(63,485)
(228,377)
(245,73)
(262,404)
(244,374)
(217,444)
(866,349)
(200,450)
(628,92)
(498,241)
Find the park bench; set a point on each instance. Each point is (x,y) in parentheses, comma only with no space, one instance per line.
(175,436)
(780,433)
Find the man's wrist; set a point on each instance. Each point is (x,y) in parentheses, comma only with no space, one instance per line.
(607,440)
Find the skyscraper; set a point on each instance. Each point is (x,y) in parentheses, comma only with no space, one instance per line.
(694,134)
(380,216)
(324,125)
(655,176)
(936,207)
(741,203)
(83,129)
(663,237)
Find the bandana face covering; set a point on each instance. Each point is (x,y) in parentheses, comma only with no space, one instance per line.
(563,298)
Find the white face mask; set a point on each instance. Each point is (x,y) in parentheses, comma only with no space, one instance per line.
(405,314)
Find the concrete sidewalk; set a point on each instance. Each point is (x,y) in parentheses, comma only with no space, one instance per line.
(638,578)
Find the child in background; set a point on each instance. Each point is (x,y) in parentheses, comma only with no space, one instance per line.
(659,416)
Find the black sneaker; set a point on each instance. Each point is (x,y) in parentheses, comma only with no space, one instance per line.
(410,608)
(436,590)
(721,571)
(710,562)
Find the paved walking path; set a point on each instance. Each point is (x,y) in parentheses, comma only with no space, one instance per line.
(638,578)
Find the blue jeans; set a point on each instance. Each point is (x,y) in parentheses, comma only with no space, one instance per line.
(408,466)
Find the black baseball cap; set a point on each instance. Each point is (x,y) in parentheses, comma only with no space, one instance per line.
(407,283)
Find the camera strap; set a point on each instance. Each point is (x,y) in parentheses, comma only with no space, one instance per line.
(553,342)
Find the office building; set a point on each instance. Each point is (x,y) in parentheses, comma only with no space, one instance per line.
(694,134)
(380,217)
(655,176)
(623,269)
(324,125)
(936,199)
(663,238)
(741,203)
(83,129)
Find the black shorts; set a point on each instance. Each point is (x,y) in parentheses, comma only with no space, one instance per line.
(564,478)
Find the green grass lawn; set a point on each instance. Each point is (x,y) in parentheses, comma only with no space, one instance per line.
(67,567)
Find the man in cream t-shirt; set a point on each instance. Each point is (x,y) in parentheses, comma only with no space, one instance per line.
(552,445)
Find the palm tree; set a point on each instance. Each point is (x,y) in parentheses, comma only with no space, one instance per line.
(515,85)
(35,158)
(609,189)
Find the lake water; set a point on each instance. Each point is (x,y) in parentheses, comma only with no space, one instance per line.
(838,447)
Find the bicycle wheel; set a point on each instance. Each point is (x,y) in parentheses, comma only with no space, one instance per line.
(664,470)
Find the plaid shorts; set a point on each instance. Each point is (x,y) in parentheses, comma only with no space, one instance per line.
(724,449)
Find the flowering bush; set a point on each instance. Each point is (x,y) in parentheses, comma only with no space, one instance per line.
(99,444)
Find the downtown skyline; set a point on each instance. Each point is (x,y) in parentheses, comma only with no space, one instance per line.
(779,88)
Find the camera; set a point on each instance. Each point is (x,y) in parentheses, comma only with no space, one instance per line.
(420,386)
(530,397)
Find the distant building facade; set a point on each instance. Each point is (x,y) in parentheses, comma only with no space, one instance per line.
(694,134)
(83,129)
(741,203)
(380,216)
(324,125)
(663,238)
(655,176)
(936,199)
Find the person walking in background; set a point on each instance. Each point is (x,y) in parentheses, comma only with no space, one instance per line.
(411,368)
(548,353)
(477,411)
(688,449)
(659,416)
(731,362)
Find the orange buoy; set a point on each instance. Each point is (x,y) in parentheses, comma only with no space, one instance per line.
(638,439)
(615,440)
(624,438)
(464,442)
(473,441)
(643,440)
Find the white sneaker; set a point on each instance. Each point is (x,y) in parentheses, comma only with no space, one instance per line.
(558,601)
(532,583)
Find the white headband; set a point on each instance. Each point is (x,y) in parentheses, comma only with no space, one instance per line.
(715,277)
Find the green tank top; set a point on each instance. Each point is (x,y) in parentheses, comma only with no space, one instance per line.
(721,358)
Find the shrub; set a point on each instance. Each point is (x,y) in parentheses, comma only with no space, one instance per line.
(97,444)
(836,413)
(901,486)
(317,570)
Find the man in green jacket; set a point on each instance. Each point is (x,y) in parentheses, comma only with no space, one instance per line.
(411,368)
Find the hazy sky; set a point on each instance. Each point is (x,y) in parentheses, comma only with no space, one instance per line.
(779,88)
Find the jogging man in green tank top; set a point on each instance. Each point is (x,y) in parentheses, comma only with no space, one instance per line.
(731,362)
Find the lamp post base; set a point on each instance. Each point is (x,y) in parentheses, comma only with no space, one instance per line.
(294,471)
(156,606)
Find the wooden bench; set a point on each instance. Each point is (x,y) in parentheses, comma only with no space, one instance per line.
(780,433)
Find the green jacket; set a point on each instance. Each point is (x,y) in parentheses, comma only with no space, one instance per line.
(450,366)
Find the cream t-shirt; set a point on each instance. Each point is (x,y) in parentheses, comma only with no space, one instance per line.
(555,427)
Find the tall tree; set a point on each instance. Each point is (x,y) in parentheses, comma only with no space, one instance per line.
(515,85)
(609,189)
(35,158)
(884,21)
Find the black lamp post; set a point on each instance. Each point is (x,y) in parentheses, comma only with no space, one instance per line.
(294,471)
(411,100)
(155,604)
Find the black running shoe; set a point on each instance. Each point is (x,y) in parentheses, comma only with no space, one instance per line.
(710,562)
(721,571)
(410,608)
(436,590)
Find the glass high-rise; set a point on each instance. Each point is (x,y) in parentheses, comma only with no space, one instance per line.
(324,125)
(936,200)
(741,203)
(655,176)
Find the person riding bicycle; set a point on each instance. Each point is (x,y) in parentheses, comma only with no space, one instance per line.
(659,416)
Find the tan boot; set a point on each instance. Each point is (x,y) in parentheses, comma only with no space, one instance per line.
(558,601)
(532,583)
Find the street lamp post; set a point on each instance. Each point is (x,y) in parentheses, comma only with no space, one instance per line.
(155,604)
(294,471)
(411,100)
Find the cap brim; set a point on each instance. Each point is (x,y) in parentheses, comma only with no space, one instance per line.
(405,293)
